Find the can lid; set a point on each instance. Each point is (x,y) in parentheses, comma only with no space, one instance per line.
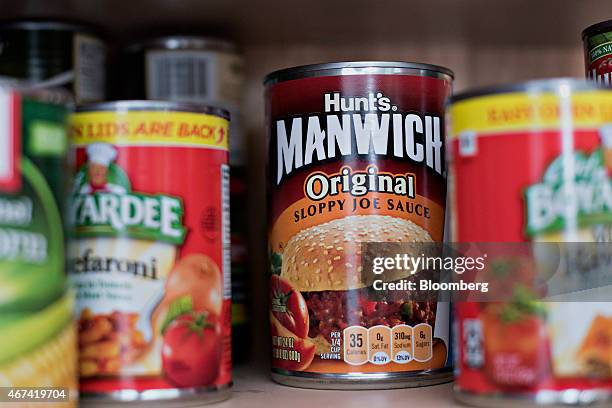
(536,86)
(358,68)
(141,105)
(598,28)
(41,24)
(184,42)
(27,89)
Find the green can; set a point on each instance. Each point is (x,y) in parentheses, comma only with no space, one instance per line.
(37,333)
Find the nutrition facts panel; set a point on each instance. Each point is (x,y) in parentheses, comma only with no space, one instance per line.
(382,345)
(226,231)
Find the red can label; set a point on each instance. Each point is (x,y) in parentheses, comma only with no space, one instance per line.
(150,256)
(522,172)
(353,159)
(598,57)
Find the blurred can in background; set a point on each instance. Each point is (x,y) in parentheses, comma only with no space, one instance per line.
(597,41)
(151,250)
(37,333)
(204,70)
(55,54)
(527,165)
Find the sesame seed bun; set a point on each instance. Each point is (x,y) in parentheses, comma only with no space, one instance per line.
(328,256)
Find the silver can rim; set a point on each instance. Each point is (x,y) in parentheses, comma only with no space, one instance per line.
(552,85)
(143,105)
(566,397)
(184,42)
(358,68)
(205,395)
(53,95)
(66,25)
(363,381)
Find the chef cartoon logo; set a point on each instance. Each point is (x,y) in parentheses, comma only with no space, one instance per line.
(100,174)
(103,203)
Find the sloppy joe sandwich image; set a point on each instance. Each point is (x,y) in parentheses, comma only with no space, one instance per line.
(330,254)
(329,274)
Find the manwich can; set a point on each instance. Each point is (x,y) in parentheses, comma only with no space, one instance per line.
(38,357)
(55,53)
(597,41)
(356,155)
(528,164)
(149,259)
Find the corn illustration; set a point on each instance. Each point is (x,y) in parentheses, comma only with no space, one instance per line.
(51,365)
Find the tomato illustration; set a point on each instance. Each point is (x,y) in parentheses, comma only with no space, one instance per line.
(305,348)
(191,350)
(517,347)
(289,307)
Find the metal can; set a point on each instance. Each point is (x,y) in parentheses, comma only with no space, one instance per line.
(333,128)
(38,332)
(185,68)
(597,40)
(204,70)
(149,259)
(528,166)
(53,54)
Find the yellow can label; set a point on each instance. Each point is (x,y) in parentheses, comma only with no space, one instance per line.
(150,128)
(521,111)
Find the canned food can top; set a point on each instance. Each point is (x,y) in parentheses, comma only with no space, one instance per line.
(358,68)
(598,28)
(143,105)
(185,42)
(45,95)
(44,24)
(552,85)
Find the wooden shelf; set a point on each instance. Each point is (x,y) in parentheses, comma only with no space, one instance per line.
(254,389)
(478,22)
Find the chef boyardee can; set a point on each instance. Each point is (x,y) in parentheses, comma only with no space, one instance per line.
(597,41)
(38,335)
(528,164)
(356,155)
(49,53)
(150,256)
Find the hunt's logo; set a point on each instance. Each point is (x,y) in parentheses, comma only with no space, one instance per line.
(358,126)
(575,190)
(103,204)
